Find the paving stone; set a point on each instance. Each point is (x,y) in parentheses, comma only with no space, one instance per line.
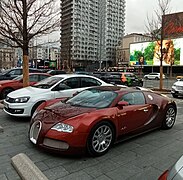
(12,175)
(80,164)
(57,161)
(101,168)
(123,172)
(77,176)
(103,177)
(147,174)
(5,167)
(42,166)
(3,177)
(125,158)
(1,129)
(56,173)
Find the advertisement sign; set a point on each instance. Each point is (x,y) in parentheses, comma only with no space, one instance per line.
(149,53)
(173,25)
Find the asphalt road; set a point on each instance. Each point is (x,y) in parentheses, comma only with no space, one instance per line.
(167,83)
(141,158)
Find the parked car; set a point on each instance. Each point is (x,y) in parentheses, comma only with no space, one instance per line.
(7,86)
(23,102)
(84,72)
(12,73)
(122,78)
(55,72)
(175,172)
(97,117)
(177,88)
(153,75)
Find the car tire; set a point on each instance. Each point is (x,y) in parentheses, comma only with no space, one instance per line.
(5,92)
(156,78)
(169,118)
(100,139)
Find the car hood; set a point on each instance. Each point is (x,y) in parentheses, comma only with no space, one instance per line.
(27,91)
(179,83)
(7,81)
(59,112)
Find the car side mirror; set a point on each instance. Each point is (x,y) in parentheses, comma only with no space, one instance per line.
(121,104)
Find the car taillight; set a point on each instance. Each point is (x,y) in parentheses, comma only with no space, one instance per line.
(164,176)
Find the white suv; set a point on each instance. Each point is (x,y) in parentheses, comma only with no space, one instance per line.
(23,102)
(153,75)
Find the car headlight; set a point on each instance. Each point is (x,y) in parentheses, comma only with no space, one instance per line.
(21,99)
(61,127)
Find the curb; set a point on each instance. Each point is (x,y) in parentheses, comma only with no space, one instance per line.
(26,169)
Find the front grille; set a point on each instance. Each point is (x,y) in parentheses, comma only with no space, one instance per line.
(55,144)
(179,88)
(34,131)
(14,111)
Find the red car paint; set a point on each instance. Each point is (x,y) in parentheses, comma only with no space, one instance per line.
(17,84)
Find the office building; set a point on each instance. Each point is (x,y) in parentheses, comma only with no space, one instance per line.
(90,31)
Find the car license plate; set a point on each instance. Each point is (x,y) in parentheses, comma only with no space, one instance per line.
(6,105)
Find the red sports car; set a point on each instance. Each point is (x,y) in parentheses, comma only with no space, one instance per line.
(7,86)
(97,117)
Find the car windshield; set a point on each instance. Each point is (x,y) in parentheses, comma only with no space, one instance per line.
(18,78)
(48,82)
(93,98)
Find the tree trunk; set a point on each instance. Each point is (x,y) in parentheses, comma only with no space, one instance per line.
(25,70)
(161,78)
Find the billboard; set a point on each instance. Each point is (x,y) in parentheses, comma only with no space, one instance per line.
(148,53)
(173,25)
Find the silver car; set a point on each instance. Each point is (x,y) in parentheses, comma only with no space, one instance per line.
(153,75)
(177,88)
(175,172)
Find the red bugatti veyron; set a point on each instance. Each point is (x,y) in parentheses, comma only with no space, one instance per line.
(97,117)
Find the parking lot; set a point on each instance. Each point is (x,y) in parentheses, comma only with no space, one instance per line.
(144,157)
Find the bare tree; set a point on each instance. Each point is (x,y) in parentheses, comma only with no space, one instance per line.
(22,20)
(155,28)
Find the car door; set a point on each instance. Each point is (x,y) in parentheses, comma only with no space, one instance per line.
(134,116)
(67,87)
(89,82)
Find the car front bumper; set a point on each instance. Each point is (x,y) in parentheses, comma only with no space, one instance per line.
(17,109)
(57,141)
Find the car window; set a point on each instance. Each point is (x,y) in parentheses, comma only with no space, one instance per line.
(72,82)
(41,77)
(33,78)
(15,72)
(87,82)
(48,82)
(134,98)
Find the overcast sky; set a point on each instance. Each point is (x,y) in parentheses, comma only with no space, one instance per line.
(138,10)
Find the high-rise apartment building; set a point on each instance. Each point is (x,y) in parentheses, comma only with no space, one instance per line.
(90,31)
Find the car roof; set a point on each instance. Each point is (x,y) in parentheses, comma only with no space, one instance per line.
(73,75)
(119,89)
